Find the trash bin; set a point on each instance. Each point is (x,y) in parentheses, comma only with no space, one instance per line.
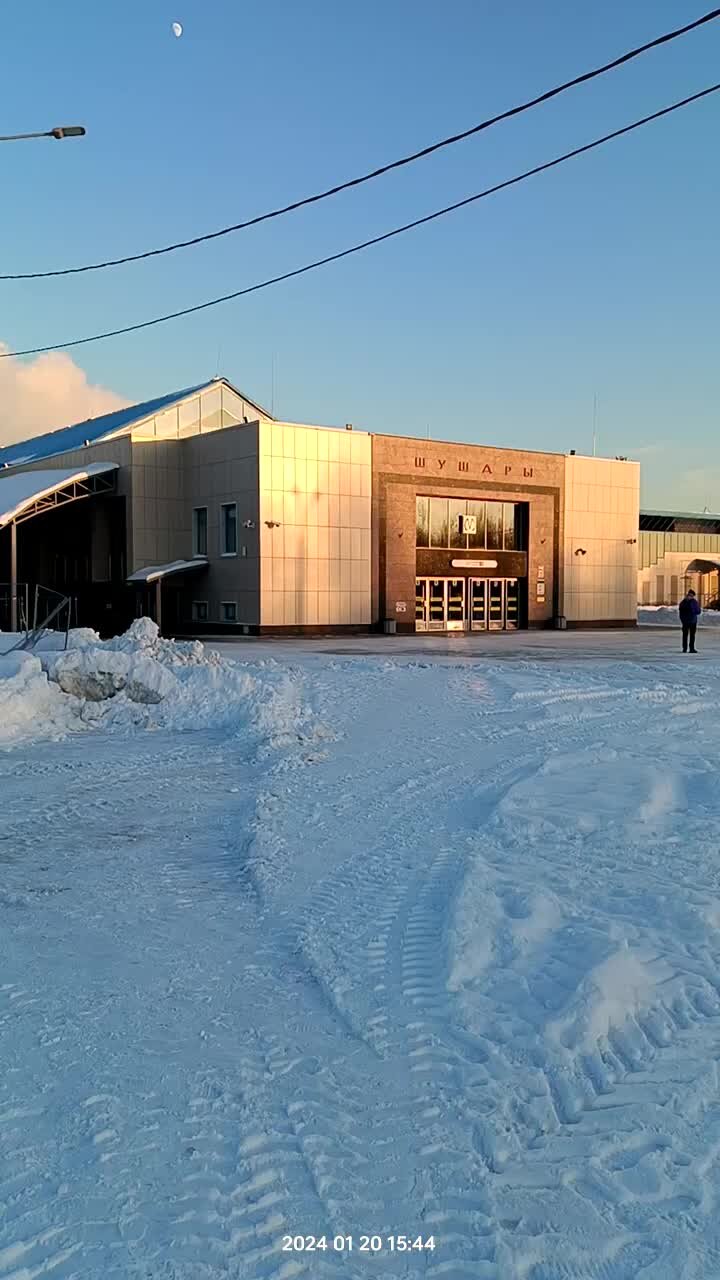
(561,623)
(390,626)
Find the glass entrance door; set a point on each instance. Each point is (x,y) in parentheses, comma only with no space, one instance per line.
(421,604)
(512,599)
(440,604)
(436,604)
(455,604)
(496,602)
(478,604)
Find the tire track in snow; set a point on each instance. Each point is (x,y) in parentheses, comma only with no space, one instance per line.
(32,1245)
(582,1108)
(407,953)
(420,1108)
(588,1105)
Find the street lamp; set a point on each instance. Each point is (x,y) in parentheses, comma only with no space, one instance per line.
(63,131)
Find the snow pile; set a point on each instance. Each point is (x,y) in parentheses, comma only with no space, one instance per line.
(666,615)
(139,663)
(26,699)
(143,636)
(587,791)
(621,987)
(140,680)
(95,674)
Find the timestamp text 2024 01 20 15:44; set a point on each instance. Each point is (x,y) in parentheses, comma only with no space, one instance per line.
(363,1244)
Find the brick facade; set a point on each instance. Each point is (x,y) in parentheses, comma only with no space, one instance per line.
(405,468)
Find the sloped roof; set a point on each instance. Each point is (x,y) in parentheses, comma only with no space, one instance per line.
(23,489)
(679,522)
(94,429)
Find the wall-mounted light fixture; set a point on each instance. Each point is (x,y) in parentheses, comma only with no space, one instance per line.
(248,524)
(631,542)
(273,524)
(581,551)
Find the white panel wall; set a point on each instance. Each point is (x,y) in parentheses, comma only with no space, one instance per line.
(315,486)
(602,517)
(656,581)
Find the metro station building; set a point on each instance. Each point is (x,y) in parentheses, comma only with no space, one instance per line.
(202,510)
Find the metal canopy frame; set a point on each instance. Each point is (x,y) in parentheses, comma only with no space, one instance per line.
(71,491)
(105,482)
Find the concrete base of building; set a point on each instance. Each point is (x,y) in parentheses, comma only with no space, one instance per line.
(326,629)
(218,631)
(603,624)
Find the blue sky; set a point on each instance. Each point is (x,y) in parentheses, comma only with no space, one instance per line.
(496,324)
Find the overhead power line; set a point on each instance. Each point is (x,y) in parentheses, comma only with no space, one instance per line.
(383,169)
(366,244)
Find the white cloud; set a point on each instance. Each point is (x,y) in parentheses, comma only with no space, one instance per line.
(641,451)
(48,392)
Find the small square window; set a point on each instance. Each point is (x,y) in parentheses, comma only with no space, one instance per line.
(228,529)
(200,610)
(228,611)
(200,527)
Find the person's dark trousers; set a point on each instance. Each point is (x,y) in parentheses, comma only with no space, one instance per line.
(689,629)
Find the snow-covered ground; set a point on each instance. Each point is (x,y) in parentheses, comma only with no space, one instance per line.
(393,944)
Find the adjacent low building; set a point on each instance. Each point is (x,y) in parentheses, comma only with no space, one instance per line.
(202,509)
(679,549)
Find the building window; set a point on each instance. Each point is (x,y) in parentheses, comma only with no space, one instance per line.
(200,610)
(228,529)
(438,522)
(228,611)
(476,540)
(494,540)
(510,540)
(460,524)
(200,531)
(422,522)
(457,513)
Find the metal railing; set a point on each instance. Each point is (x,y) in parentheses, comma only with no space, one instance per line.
(38,609)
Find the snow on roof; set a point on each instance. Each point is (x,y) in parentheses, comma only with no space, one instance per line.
(680,515)
(94,429)
(17,492)
(152,572)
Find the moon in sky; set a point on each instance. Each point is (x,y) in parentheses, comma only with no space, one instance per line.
(177,29)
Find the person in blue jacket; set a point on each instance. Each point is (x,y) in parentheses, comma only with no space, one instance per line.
(689,613)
